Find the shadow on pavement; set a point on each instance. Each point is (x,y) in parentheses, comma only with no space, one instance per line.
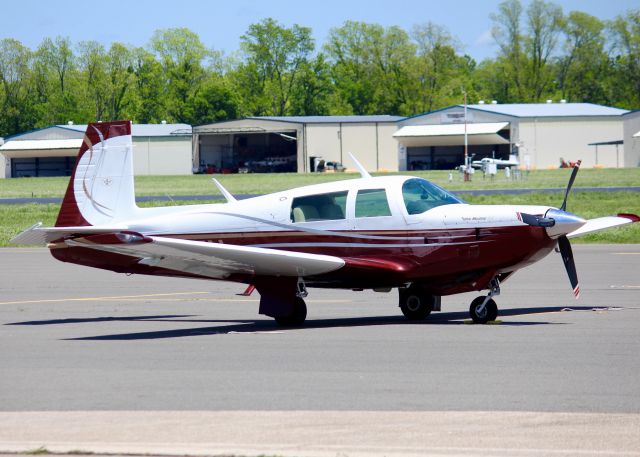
(225,327)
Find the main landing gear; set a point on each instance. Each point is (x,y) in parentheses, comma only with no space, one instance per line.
(299,314)
(415,303)
(484,309)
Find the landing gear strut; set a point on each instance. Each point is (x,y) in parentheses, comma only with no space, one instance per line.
(484,309)
(415,303)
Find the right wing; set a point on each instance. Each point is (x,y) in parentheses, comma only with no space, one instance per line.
(603,223)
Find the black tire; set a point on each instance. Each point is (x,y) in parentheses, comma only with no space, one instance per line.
(490,312)
(415,303)
(297,317)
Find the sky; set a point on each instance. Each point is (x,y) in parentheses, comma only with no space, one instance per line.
(221,24)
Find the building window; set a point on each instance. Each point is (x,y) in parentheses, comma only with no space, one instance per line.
(321,207)
(372,203)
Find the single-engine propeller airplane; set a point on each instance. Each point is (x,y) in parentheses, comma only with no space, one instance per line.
(375,233)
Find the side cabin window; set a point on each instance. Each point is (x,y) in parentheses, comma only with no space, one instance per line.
(372,203)
(320,207)
(420,196)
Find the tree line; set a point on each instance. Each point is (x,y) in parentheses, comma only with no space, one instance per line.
(362,68)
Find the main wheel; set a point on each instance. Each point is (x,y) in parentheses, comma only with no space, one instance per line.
(297,317)
(482,316)
(415,303)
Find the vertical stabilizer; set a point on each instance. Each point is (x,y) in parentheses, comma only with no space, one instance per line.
(101,188)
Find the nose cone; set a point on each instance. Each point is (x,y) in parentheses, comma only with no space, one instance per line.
(564,223)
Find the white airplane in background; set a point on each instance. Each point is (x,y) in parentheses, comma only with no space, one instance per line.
(500,163)
(374,233)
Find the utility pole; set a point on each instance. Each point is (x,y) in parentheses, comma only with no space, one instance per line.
(467,177)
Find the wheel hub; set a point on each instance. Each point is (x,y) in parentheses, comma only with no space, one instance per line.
(413,303)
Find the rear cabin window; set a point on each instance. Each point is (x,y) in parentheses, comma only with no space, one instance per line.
(321,207)
(372,203)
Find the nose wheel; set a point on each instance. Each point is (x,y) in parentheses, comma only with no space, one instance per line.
(484,309)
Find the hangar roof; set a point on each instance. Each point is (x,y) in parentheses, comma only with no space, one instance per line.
(77,131)
(330,119)
(548,109)
(41,144)
(143,129)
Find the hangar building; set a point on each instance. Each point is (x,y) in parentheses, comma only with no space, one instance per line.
(158,149)
(539,133)
(631,139)
(296,143)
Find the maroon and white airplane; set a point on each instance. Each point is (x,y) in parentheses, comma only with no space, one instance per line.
(374,233)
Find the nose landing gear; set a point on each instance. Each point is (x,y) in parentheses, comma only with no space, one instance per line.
(484,309)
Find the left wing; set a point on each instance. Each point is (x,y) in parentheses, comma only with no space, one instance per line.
(603,223)
(213,260)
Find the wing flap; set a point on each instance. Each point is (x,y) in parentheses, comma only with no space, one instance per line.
(217,260)
(603,223)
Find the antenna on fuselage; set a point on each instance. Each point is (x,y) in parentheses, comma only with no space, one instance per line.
(230,198)
(364,173)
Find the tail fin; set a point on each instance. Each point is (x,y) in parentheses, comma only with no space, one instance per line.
(101,188)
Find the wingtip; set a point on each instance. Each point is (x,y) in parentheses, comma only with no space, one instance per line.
(631,217)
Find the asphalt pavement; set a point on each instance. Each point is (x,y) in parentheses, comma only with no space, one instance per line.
(103,362)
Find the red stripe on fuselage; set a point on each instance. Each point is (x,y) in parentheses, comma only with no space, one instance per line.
(450,261)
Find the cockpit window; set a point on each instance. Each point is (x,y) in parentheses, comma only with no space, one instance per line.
(420,196)
(321,207)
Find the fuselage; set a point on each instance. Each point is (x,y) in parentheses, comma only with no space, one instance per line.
(417,233)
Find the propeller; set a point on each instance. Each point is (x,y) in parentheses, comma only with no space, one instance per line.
(563,242)
(557,223)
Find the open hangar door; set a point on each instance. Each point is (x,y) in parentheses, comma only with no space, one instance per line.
(441,147)
(248,152)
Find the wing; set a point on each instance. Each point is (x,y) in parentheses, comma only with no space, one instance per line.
(603,223)
(213,260)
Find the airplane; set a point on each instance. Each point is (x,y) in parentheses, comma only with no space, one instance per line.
(379,233)
(500,163)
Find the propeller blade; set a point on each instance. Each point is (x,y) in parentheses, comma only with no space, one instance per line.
(571,179)
(569,264)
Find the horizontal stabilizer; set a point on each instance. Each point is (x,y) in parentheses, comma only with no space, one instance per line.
(603,223)
(37,235)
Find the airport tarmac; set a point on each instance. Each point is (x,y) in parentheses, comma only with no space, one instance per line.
(95,361)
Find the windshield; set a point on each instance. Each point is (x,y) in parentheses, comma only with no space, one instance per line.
(420,195)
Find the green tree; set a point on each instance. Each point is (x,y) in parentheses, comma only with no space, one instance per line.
(57,70)
(581,69)
(370,67)
(150,94)
(544,21)
(275,56)
(17,111)
(314,94)
(438,72)
(92,62)
(625,36)
(181,55)
(510,63)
